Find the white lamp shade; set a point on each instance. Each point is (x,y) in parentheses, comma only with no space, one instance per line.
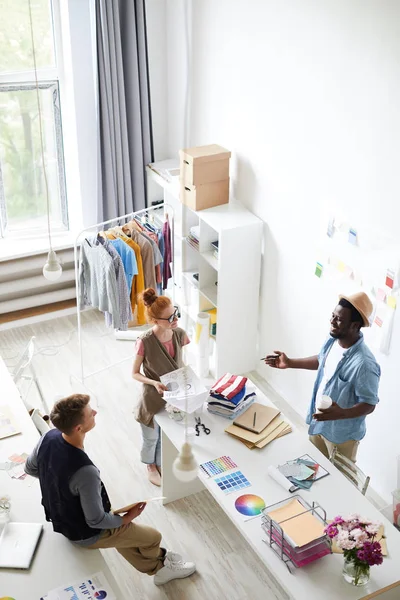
(52,270)
(185,465)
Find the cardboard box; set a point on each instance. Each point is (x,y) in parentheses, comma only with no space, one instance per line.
(205,196)
(204,164)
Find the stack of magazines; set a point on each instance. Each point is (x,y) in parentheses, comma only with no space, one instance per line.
(193,237)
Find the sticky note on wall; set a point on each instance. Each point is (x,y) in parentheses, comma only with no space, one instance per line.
(353,237)
(319,269)
(390,279)
(392,302)
(381,295)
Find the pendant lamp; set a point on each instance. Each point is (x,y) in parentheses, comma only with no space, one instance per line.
(185,465)
(52,269)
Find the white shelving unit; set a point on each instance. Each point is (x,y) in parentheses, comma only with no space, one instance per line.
(229,283)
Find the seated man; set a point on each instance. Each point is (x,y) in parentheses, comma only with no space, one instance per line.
(76,501)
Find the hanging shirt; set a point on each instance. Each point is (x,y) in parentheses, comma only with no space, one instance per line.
(98,280)
(167,254)
(146,250)
(157,256)
(138,280)
(128,260)
(125,309)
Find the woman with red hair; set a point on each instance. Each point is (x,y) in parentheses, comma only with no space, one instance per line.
(158,351)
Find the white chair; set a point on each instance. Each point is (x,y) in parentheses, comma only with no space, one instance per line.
(41,425)
(350,470)
(24,366)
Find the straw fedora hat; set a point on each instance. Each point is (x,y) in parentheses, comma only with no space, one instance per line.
(362,303)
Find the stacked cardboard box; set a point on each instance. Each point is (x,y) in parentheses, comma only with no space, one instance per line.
(204,176)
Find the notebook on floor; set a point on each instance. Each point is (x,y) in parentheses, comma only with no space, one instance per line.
(18,543)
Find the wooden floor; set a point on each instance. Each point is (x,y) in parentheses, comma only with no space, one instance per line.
(196,527)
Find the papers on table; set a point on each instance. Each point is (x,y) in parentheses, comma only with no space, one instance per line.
(299,525)
(302,472)
(16,467)
(184,388)
(95,587)
(276,427)
(8,426)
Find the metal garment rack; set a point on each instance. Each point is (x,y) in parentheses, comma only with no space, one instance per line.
(99,227)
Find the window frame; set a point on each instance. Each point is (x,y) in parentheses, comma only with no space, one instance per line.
(47,77)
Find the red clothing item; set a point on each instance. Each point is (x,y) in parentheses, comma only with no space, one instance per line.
(169,346)
(167,254)
(229,385)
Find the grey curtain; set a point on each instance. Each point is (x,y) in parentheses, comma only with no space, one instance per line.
(124,111)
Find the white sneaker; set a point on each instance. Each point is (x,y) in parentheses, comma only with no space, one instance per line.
(174,568)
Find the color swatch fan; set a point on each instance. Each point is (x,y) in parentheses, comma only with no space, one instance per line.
(249,505)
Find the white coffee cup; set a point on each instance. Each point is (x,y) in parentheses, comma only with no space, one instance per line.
(324,402)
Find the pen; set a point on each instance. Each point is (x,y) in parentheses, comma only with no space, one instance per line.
(254,419)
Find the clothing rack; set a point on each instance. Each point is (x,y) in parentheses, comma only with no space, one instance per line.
(99,227)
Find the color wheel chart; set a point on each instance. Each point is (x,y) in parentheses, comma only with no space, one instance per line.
(218,465)
(249,505)
(233,482)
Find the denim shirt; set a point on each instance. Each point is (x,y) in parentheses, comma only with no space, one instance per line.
(355,380)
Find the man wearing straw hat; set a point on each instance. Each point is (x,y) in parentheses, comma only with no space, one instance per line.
(347,373)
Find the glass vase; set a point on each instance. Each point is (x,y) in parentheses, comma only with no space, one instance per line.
(355,574)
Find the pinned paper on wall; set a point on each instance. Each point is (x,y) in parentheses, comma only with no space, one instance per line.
(382,328)
(341,266)
(353,237)
(392,302)
(381,295)
(348,271)
(331,228)
(390,279)
(319,269)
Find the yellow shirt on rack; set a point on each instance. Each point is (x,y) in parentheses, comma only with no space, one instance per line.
(138,280)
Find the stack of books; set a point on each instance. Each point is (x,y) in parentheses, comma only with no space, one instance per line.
(214,246)
(229,398)
(213,321)
(193,237)
(258,426)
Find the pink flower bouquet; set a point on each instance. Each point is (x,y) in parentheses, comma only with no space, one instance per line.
(356,536)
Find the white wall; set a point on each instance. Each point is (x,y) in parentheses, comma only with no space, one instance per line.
(306,95)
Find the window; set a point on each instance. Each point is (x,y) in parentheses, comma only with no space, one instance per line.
(22,184)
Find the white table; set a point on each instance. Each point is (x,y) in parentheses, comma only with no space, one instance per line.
(57,561)
(322,579)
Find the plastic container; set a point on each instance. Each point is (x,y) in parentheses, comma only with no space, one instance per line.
(324,402)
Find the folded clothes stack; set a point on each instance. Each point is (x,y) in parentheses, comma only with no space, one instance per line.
(228,397)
